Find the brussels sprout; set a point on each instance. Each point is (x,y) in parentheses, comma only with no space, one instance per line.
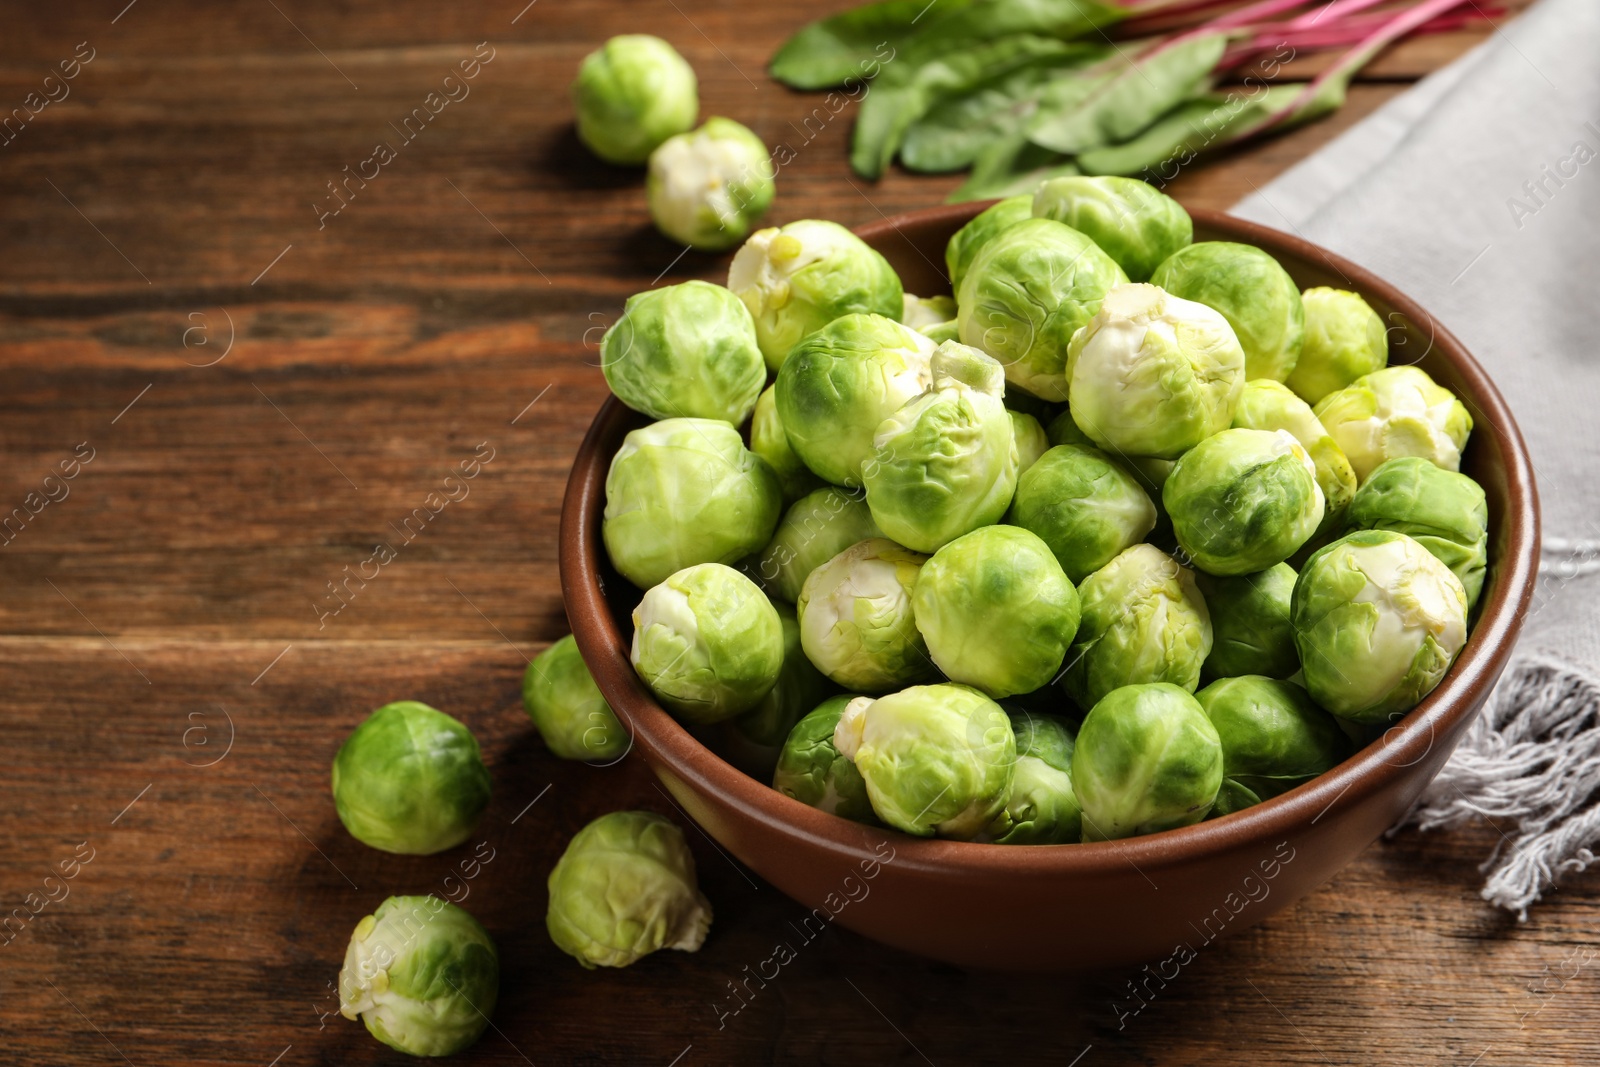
(1250,289)
(937,759)
(811,770)
(1268,405)
(856,623)
(1030,439)
(708,643)
(632,94)
(921,312)
(816,528)
(769,441)
(1345,339)
(752,741)
(1243,500)
(422,975)
(841,382)
(1142,620)
(1378,620)
(1025,295)
(966,242)
(1250,623)
(1397,411)
(1445,512)
(946,462)
(1084,506)
(411,780)
(996,610)
(1042,808)
(684,351)
(1153,375)
(707,188)
(624,888)
(1146,759)
(941,332)
(1273,738)
(1135,224)
(686,491)
(1063,431)
(566,707)
(799,278)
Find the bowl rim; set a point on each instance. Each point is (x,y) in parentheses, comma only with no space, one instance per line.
(670,747)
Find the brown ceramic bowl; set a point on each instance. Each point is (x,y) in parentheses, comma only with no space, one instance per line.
(1062,907)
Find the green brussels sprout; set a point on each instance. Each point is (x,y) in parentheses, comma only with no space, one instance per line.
(841,382)
(1444,511)
(1378,620)
(1345,339)
(752,741)
(1397,411)
(856,621)
(946,462)
(631,94)
(686,491)
(811,770)
(566,707)
(799,278)
(769,441)
(422,974)
(937,759)
(1063,431)
(1026,293)
(965,243)
(1146,759)
(1250,630)
(815,529)
(1084,506)
(1137,226)
(1030,439)
(996,611)
(1269,405)
(707,188)
(1252,291)
(708,643)
(1141,620)
(921,312)
(1153,375)
(624,888)
(1042,809)
(685,351)
(941,332)
(410,779)
(1273,738)
(1242,500)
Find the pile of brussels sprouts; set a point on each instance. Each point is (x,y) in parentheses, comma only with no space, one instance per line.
(1127,533)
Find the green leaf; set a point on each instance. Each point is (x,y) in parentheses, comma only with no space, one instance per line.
(1009,166)
(1192,127)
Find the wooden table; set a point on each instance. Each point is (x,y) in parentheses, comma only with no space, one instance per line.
(251,392)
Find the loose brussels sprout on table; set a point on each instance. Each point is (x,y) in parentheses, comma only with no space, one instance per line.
(1084,506)
(1147,758)
(1378,620)
(565,705)
(801,277)
(707,188)
(1250,628)
(1153,375)
(1042,808)
(631,95)
(770,441)
(856,621)
(752,741)
(811,770)
(946,462)
(410,779)
(1273,738)
(966,242)
(682,492)
(624,888)
(687,351)
(937,759)
(816,528)
(708,643)
(1252,291)
(1446,512)
(1137,226)
(422,975)
(1397,411)
(1344,340)
(996,610)
(1269,405)
(841,382)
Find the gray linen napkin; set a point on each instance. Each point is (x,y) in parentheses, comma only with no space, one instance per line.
(1478,194)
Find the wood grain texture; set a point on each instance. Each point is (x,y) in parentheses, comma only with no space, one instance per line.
(178,594)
